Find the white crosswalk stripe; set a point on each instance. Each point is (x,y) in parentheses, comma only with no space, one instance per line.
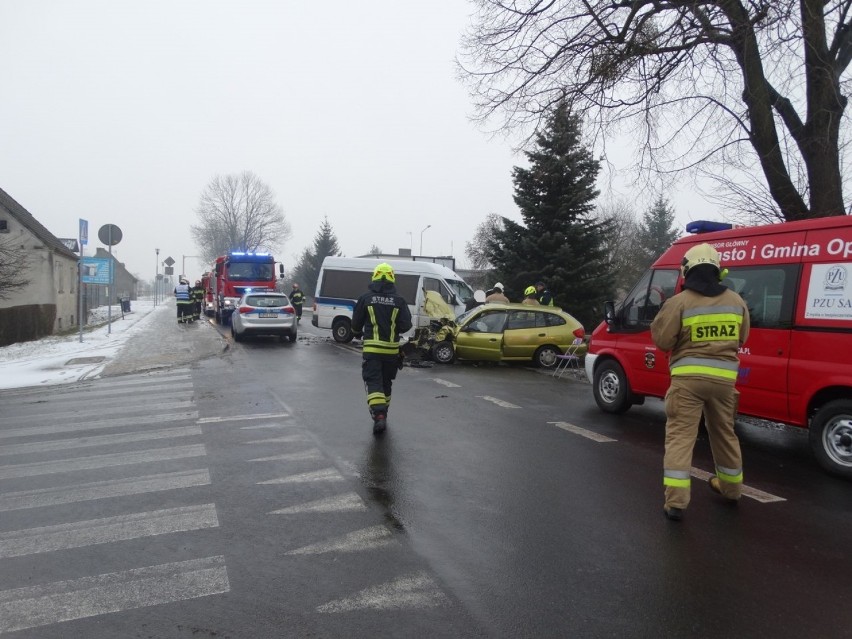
(113,592)
(49,438)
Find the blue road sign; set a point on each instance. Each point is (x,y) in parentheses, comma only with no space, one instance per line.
(84,232)
(96,270)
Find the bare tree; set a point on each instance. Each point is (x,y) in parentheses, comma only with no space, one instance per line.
(238,213)
(622,244)
(477,249)
(723,86)
(13,260)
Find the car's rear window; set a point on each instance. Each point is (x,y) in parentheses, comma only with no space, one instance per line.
(266,301)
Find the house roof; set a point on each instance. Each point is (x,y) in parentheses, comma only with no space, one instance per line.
(102,252)
(26,219)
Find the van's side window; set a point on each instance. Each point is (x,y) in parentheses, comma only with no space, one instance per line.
(643,303)
(768,292)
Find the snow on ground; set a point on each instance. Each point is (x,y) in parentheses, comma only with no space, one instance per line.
(60,359)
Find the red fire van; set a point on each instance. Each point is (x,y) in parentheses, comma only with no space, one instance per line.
(796,366)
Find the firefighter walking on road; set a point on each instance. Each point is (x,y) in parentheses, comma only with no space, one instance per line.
(381,316)
(197,299)
(297,298)
(702,328)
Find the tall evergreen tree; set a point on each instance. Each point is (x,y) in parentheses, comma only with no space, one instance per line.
(561,240)
(308,267)
(656,231)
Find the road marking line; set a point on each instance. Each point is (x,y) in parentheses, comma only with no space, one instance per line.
(444,382)
(588,434)
(358,541)
(124,381)
(412,591)
(748,491)
(65,405)
(18,543)
(326,474)
(96,425)
(348,502)
(241,418)
(35,606)
(499,402)
(98,440)
(102,461)
(91,491)
(313,453)
(280,440)
(87,393)
(259,426)
(79,415)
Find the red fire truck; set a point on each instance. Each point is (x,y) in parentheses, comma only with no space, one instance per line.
(207,286)
(795,367)
(234,273)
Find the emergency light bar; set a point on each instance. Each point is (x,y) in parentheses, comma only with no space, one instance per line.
(706,226)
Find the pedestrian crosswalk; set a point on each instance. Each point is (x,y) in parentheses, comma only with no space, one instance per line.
(87,470)
(89,445)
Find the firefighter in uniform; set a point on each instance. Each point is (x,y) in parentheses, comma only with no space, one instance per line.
(702,328)
(183,299)
(297,298)
(530,296)
(545,297)
(381,316)
(197,300)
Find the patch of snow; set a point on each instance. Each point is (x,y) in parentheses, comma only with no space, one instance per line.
(60,359)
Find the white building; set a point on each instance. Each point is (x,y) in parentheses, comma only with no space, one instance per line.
(48,301)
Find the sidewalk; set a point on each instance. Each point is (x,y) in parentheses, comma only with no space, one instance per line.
(147,338)
(161,343)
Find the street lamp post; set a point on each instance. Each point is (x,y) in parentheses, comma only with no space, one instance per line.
(411,239)
(156,276)
(429,226)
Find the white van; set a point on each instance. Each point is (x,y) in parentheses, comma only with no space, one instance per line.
(342,280)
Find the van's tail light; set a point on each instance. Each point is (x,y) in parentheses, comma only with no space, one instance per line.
(580,332)
(289,310)
(246,309)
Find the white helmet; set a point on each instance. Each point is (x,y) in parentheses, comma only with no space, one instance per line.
(499,286)
(700,254)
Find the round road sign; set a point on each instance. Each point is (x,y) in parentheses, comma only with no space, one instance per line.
(109,234)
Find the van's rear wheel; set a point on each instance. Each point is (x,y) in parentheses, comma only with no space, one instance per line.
(831,437)
(341,329)
(611,388)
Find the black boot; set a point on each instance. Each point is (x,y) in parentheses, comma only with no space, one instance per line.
(380,423)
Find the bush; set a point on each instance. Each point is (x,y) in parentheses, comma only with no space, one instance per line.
(25,323)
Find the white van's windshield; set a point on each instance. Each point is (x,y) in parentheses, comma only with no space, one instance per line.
(460,290)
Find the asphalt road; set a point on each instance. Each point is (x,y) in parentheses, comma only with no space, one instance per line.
(243,495)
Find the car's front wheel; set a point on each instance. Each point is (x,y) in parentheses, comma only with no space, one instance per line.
(545,356)
(831,437)
(444,352)
(611,388)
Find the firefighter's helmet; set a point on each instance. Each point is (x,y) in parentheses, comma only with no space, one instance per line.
(700,254)
(498,287)
(384,271)
(530,290)
(198,282)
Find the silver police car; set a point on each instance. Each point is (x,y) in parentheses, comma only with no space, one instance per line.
(264,312)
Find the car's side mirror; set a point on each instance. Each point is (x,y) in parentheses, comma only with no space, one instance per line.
(609,313)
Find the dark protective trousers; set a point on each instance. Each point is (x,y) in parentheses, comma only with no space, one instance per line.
(184,311)
(378,373)
(686,400)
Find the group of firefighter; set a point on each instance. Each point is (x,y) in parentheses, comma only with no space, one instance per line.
(189,300)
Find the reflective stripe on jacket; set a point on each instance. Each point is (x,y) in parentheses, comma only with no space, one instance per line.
(182,293)
(703,334)
(382,315)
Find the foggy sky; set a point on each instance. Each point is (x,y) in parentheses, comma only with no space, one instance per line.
(121,112)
